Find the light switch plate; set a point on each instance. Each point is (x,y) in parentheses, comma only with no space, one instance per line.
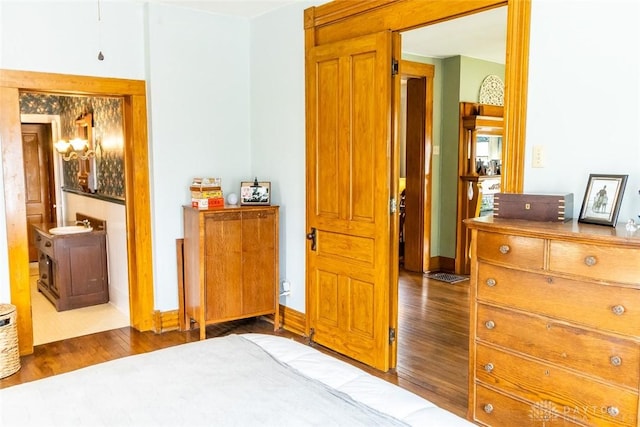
(538,157)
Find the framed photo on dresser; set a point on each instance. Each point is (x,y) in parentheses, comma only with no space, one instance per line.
(602,199)
(255,193)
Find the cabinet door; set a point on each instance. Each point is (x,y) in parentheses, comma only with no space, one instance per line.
(223,265)
(80,269)
(258,261)
(44,269)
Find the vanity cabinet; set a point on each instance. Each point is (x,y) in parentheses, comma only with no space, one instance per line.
(554,325)
(230,264)
(72,268)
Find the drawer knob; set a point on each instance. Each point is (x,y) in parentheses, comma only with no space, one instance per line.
(618,310)
(490,324)
(38,238)
(488,367)
(488,408)
(47,244)
(504,249)
(590,261)
(613,411)
(491,282)
(616,360)
(44,277)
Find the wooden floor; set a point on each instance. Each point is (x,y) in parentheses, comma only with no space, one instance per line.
(432,352)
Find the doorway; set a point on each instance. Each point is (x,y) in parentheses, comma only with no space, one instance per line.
(416,125)
(137,194)
(337,29)
(39,179)
(42,179)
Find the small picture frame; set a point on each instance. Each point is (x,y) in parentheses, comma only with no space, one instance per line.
(602,199)
(255,193)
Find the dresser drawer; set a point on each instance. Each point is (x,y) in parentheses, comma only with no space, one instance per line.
(590,402)
(516,251)
(44,243)
(611,308)
(607,357)
(617,264)
(496,409)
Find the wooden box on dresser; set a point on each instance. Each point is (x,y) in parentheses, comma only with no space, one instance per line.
(555,324)
(231,267)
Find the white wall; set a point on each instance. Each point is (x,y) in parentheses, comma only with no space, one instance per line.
(63,37)
(278,132)
(199,88)
(583,97)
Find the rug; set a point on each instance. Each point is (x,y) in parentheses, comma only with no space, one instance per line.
(446,277)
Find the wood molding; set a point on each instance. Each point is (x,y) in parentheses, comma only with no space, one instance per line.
(165,321)
(293,321)
(440,263)
(16,214)
(341,20)
(516,91)
(138,214)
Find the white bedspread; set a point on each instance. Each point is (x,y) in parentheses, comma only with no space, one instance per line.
(225,381)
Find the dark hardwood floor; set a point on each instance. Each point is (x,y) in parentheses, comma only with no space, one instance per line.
(433,344)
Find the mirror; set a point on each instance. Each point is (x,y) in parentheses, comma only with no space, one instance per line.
(488,155)
(84,131)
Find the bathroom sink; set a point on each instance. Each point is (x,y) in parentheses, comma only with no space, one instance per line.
(70,229)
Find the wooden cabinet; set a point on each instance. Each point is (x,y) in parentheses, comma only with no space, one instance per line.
(230,264)
(555,324)
(72,268)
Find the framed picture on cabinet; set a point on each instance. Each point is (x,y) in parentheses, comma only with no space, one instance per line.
(602,199)
(255,193)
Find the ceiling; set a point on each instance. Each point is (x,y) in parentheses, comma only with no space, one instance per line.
(482,35)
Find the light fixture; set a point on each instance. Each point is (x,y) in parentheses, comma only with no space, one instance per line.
(75,149)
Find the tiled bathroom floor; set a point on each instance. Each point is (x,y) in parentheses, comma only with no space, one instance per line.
(50,325)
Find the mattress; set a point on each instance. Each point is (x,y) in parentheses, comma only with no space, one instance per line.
(236,380)
(356,383)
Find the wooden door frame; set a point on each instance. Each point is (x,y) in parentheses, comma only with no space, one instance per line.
(341,20)
(137,193)
(426,72)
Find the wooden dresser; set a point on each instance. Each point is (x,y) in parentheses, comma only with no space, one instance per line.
(555,324)
(230,264)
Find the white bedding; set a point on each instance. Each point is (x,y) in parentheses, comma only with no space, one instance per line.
(228,381)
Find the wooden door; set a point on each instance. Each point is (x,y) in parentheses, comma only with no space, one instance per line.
(39,198)
(415,160)
(348,197)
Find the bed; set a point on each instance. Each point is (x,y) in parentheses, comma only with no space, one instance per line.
(236,380)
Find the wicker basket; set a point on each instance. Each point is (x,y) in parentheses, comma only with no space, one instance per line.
(9,352)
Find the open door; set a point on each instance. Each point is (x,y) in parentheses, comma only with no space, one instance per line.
(38,179)
(348,104)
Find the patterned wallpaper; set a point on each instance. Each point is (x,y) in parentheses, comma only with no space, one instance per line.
(108,136)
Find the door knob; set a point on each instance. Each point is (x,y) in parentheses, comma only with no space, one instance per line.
(312,236)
